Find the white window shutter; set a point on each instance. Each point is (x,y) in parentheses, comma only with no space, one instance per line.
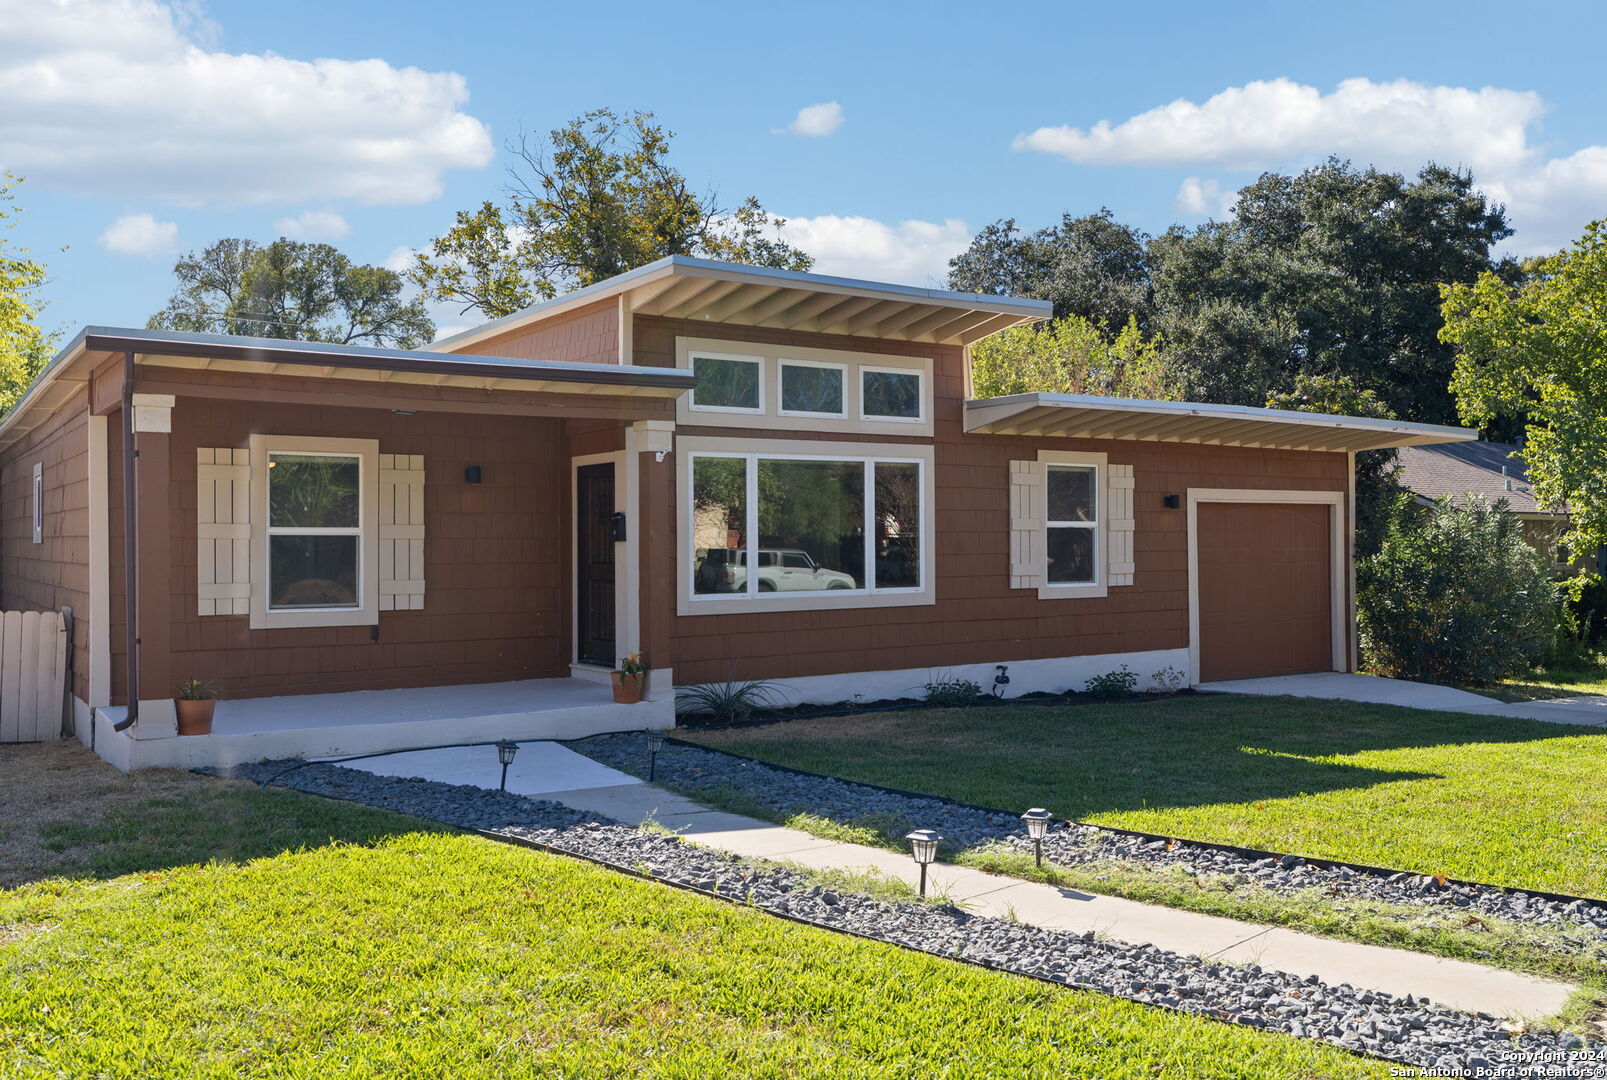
(1027,524)
(1119,525)
(401,532)
(223,530)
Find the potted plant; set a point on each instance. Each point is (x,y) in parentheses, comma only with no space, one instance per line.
(630,680)
(194,702)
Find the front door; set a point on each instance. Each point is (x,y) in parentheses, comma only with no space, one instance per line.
(594,550)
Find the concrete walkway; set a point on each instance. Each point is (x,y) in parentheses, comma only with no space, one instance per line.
(549,770)
(1587,711)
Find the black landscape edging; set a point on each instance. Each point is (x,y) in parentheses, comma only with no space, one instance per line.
(1233,849)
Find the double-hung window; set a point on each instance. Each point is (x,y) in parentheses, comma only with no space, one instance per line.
(1072,547)
(315,544)
(799,526)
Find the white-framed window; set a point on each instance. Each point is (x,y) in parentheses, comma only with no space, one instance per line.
(798,388)
(1073,552)
(813,388)
(892,394)
(38,502)
(727,383)
(785,526)
(314,531)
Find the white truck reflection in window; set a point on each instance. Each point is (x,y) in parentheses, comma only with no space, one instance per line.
(724,570)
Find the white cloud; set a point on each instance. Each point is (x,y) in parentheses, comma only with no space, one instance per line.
(910,252)
(127,98)
(312,225)
(140,234)
(1207,197)
(1399,123)
(400,258)
(822,119)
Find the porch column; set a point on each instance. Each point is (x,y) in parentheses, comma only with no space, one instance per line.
(153,421)
(653,441)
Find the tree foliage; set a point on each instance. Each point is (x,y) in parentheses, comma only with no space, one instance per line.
(1334,271)
(1538,349)
(594,199)
(24,346)
(1070,355)
(1092,266)
(297,291)
(1456,595)
(1378,488)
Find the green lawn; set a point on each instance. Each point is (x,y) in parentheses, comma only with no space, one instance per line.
(331,940)
(1505,801)
(1569,680)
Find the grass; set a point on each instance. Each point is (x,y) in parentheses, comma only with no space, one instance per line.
(1498,800)
(325,939)
(1563,680)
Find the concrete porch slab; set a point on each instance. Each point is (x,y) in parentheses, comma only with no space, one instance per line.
(373,721)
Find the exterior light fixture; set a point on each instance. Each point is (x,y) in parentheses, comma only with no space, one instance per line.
(471,474)
(923,845)
(505,752)
(1037,820)
(655,743)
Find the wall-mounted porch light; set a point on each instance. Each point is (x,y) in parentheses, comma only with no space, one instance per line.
(471,474)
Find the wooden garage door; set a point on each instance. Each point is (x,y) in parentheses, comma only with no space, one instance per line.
(1265,589)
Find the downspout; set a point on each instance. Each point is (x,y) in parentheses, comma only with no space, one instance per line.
(130,549)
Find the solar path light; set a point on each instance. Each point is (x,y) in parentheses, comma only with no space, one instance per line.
(923,845)
(505,752)
(655,743)
(1037,820)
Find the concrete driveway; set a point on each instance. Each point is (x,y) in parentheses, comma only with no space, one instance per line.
(1587,711)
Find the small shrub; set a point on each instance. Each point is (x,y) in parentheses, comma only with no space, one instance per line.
(947,692)
(1112,684)
(1168,680)
(727,702)
(1456,595)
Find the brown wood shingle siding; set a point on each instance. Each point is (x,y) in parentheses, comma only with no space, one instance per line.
(977,617)
(495,603)
(53,574)
(587,335)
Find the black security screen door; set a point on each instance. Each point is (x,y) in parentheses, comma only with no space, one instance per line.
(594,550)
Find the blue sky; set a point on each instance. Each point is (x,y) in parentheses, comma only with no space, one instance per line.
(148,128)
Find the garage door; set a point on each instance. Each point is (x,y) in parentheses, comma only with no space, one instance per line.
(1264,589)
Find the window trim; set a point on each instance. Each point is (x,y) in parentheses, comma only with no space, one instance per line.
(920,394)
(38,502)
(366,613)
(1071,590)
(746,358)
(689,448)
(849,424)
(784,362)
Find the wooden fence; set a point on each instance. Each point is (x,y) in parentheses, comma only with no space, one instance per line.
(33,675)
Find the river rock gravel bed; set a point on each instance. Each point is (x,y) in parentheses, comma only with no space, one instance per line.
(1415,1032)
(781,793)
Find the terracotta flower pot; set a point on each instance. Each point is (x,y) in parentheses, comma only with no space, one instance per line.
(195,717)
(628,688)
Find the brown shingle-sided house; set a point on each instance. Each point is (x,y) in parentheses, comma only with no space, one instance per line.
(739,472)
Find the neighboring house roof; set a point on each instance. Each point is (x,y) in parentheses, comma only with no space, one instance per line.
(680,287)
(1471,468)
(1086,416)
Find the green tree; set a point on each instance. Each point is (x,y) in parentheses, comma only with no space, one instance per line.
(1538,349)
(1334,271)
(24,346)
(1091,266)
(302,292)
(1070,355)
(1378,489)
(1456,595)
(594,199)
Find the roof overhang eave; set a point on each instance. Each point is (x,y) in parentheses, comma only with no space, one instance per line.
(1087,416)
